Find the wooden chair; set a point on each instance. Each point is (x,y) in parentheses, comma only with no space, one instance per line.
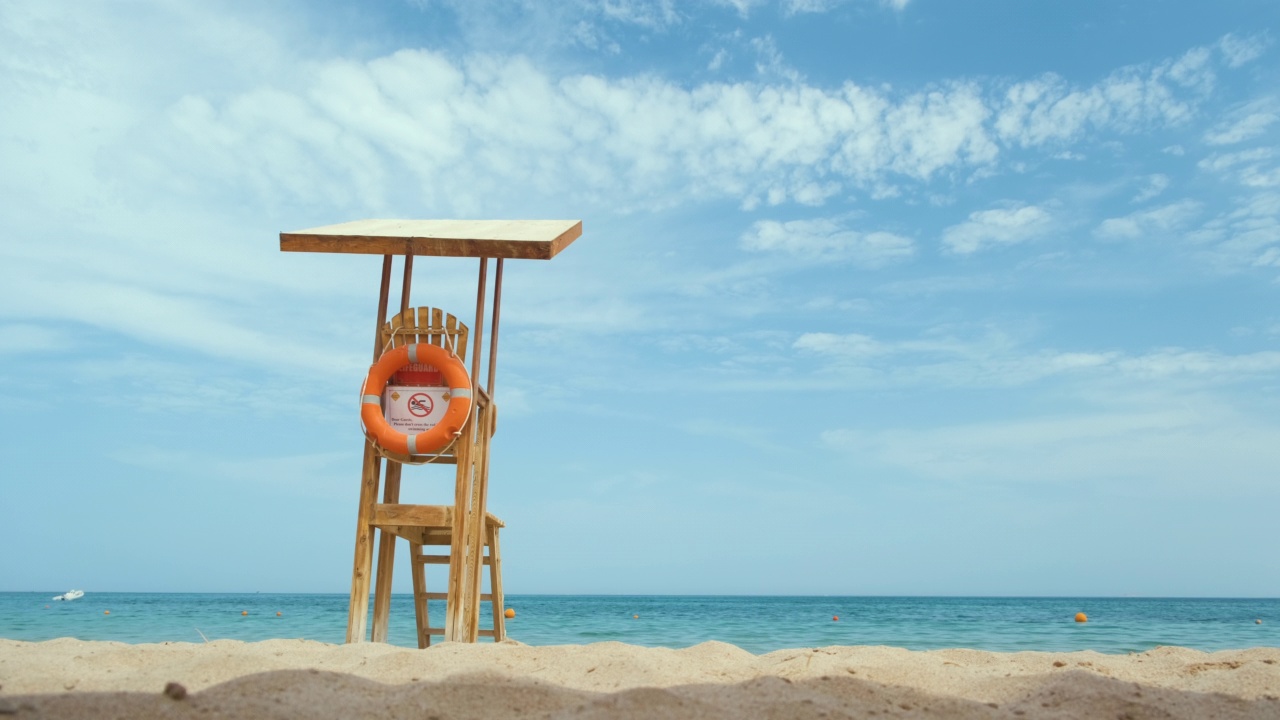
(432,525)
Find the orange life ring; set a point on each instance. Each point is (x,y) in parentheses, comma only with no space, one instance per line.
(376,427)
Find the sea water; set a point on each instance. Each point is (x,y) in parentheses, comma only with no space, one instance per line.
(756,624)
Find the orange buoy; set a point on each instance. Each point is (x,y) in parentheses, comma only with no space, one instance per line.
(376,427)
(277,613)
(635,617)
(835,618)
(244,612)
(1081,617)
(510,613)
(106,612)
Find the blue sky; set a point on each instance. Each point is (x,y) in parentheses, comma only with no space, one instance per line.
(905,297)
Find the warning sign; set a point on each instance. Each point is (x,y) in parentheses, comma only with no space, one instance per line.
(411,409)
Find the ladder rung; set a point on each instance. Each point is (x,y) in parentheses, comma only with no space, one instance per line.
(484,597)
(442,559)
(440,631)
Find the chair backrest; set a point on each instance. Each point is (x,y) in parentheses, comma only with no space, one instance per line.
(425,325)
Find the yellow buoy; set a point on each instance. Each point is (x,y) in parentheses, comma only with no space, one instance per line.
(106,612)
(244,612)
(1081,617)
(510,613)
(635,617)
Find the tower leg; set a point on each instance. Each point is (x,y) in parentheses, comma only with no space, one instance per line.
(386,558)
(358,611)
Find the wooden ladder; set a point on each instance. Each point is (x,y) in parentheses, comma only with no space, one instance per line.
(421,558)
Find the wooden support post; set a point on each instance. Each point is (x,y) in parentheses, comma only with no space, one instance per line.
(390,496)
(478,532)
(464,557)
(480,502)
(386,558)
(358,610)
(420,613)
(493,332)
(497,598)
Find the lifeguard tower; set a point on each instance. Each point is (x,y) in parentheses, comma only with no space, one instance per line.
(465,527)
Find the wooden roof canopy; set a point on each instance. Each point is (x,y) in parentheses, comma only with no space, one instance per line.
(520,239)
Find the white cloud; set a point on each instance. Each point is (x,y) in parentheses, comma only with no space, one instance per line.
(655,14)
(1168,444)
(1156,185)
(770,64)
(1239,51)
(1157,221)
(930,131)
(23,338)
(1210,366)
(1245,123)
(364,135)
(1246,235)
(1222,162)
(795,7)
(1001,226)
(1251,168)
(848,346)
(1049,110)
(827,240)
(939,359)
(1269,258)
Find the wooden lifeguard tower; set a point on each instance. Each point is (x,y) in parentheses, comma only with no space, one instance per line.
(465,526)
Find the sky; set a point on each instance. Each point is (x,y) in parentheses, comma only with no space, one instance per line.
(873,297)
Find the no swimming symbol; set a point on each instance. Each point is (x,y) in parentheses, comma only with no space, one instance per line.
(421,405)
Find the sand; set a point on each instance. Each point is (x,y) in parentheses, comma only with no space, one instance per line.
(296,678)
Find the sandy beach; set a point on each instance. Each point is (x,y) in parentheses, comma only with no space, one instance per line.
(294,678)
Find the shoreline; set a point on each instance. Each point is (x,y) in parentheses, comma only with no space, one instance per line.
(302,678)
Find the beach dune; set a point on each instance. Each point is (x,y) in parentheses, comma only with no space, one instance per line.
(68,678)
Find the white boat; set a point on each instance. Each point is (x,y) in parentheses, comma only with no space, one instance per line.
(70,595)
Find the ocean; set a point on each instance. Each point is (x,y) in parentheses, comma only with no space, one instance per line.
(756,624)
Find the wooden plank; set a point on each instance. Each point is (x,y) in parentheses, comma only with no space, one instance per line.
(412,515)
(440,631)
(419,592)
(518,239)
(390,490)
(358,610)
(495,585)
(462,605)
(457,540)
(362,565)
(445,596)
(493,329)
(386,556)
(441,559)
(383,294)
(477,535)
